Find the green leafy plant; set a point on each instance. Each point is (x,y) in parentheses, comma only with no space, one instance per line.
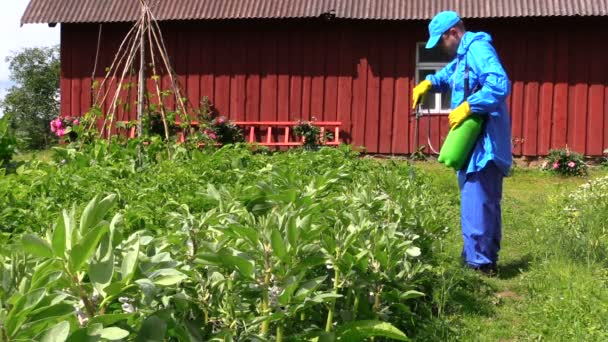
(310,133)
(579,224)
(565,162)
(223,131)
(72,261)
(419,154)
(8,142)
(206,111)
(215,244)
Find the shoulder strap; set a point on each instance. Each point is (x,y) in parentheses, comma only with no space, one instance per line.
(466,80)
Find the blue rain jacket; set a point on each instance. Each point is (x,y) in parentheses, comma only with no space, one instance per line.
(487,74)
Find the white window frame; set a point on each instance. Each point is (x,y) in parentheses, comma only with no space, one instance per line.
(430,66)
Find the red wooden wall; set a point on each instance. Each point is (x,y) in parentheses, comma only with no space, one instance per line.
(362,73)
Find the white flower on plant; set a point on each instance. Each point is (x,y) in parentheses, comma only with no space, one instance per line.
(128,308)
(190,246)
(273,294)
(95,297)
(82,317)
(127,305)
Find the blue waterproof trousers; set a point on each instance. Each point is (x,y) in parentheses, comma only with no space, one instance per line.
(480,197)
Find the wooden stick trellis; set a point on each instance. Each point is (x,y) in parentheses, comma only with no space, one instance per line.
(132,46)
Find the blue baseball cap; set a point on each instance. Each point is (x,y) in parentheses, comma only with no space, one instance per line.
(442,22)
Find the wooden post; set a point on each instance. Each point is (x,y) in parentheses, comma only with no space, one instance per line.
(140,85)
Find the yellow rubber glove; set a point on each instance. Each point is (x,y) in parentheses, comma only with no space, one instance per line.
(459,114)
(420,91)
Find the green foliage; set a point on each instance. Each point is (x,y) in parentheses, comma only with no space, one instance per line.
(578,223)
(33,102)
(566,162)
(310,133)
(215,245)
(223,131)
(8,141)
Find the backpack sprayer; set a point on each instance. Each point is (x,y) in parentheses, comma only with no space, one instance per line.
(459,141)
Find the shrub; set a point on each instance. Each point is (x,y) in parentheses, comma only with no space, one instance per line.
(566,162)
(8,141)
(223,131)
(310,133)
(578,223)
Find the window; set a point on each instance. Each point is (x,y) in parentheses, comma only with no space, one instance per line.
(429,61)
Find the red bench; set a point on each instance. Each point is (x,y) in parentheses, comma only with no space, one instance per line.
(267,128)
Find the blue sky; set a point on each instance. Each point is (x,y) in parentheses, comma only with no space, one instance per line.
(14,38)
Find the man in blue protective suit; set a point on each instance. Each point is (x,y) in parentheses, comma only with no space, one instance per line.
(479,86)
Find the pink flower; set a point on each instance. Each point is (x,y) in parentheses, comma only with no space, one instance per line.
(221,120)
(212,136)
(555,165)
(56,125)
(571,164)
(60,132)
(76,122)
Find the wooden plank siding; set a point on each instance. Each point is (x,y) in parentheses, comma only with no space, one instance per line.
(361,73)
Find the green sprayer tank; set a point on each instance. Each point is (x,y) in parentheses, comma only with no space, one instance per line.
(460,141)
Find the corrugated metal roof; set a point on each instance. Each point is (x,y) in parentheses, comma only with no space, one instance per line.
(74,11)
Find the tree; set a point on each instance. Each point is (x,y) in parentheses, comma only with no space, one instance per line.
(34,99)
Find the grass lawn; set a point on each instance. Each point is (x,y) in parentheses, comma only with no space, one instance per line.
(537,295)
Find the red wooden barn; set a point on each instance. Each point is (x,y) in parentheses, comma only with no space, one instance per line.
(355,61)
